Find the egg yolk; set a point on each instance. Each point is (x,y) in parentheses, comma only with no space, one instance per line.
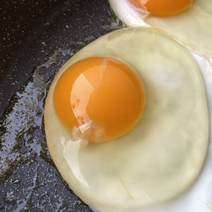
(162,7)
(99,99)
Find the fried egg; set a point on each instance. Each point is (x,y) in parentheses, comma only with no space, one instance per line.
(160,149)
(187,21)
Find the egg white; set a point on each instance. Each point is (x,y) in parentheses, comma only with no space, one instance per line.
(192,28)
(163,155)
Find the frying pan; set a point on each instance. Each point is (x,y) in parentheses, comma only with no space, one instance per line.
(36,38)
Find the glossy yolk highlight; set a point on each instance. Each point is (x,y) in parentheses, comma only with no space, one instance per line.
(162,7)
(99,99)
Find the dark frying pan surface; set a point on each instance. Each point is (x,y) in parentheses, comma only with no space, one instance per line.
(36,39)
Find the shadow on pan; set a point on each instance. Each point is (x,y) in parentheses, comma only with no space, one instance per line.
(36,39)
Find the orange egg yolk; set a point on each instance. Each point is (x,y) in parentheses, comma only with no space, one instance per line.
(162,7)
(99,99)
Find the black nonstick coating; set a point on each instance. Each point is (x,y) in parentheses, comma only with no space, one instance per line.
(36,38)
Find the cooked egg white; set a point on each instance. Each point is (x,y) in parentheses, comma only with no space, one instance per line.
(192,28)
(163,155)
